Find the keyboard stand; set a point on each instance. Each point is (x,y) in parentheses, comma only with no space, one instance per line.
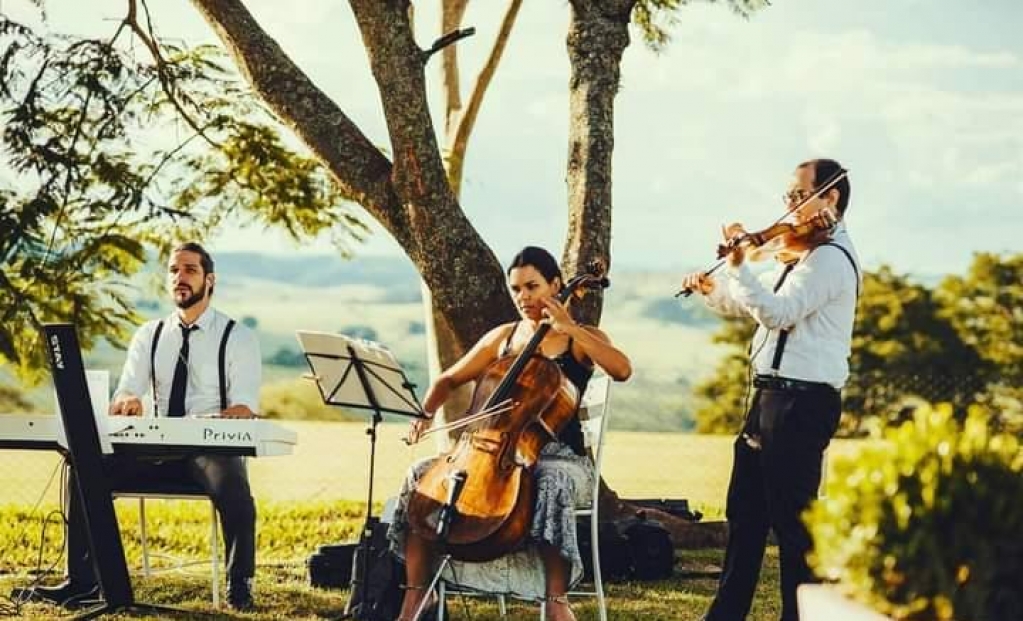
(86,457)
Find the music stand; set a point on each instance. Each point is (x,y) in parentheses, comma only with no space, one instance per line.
(365,375)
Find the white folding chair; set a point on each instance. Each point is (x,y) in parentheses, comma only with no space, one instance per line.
(596,401)
(184,493)
(594,417)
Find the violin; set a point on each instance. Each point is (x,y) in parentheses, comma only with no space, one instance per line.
(794,237)
(478,497)
(782,238)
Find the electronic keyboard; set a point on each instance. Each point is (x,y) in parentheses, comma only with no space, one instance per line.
(144,436)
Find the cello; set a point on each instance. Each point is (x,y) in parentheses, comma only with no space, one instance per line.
(478,497)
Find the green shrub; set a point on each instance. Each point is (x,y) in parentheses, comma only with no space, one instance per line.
(928,523)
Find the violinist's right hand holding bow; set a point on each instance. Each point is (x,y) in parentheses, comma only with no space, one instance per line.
(700,282)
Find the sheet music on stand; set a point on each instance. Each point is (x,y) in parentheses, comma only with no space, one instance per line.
(360,374)
(333,360)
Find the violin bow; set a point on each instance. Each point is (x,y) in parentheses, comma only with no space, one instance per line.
(499,408)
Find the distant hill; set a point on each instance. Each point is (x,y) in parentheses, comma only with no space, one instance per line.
(669,339)
(320,270)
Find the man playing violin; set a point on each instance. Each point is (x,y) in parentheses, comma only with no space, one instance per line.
(562,471)
(804,312)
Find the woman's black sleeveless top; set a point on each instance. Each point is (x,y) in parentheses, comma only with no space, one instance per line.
(577,373)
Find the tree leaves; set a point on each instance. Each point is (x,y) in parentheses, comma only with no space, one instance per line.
(655,17)
(118,158)
(960,343)
(924,523)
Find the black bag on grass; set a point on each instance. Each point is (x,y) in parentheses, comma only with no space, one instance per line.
(615,559)
(376,590)
(650,547)
(330,567)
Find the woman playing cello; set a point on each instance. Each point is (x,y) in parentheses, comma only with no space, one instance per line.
(562,471)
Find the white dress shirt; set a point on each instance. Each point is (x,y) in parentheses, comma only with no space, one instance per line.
(242,364)
(816,303)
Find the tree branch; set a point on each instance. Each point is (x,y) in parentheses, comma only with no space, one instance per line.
(411,198)
(20,301)
(446,41)
(451,17)
(148,39)
(358,166)
(460,141)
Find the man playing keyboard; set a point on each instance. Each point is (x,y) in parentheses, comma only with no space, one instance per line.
(197,361)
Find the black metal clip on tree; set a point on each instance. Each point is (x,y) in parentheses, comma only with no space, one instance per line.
(447,40)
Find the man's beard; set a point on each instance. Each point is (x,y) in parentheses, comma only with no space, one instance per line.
(191,300)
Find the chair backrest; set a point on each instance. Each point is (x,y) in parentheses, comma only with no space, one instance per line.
(596,400)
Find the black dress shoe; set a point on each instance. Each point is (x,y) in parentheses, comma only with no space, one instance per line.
(68,594)
(239,594)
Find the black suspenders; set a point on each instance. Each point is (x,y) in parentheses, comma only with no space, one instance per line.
(222,368)
(856,270)
(152,365)
(783,336)
(221,362)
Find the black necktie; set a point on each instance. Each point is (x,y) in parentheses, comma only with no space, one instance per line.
(176,407)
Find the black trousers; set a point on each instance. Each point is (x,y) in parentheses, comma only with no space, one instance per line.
(770,487)
(224,479)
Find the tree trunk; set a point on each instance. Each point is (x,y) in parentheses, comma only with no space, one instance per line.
(459,123)
(597,37)
(443,351)
(410,197)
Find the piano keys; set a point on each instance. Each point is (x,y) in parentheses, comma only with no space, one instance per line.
(157,437)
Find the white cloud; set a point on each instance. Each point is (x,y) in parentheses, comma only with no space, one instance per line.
(929,56)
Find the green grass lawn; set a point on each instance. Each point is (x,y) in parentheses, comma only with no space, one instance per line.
(288,533)
(316,496)
(283,593)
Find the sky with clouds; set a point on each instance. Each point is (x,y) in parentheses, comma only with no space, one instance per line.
(922,100)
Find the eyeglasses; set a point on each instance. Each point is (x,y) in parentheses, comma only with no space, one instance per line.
(794,197)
